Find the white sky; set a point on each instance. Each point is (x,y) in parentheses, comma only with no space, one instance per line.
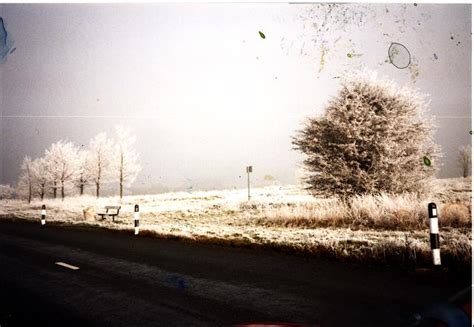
(204,93)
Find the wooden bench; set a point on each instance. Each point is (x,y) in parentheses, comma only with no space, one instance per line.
(111,211)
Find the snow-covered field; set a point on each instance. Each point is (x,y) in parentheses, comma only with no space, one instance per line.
(286,217)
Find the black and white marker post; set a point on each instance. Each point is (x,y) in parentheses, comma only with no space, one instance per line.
(136,219)
(434,234)
(43,215)
(249,170)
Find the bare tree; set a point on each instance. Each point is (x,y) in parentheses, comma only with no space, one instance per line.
(99,163)
(373,138)
(6,191)
(464,160)
(52,172)
(25,183)
(41,176)
(61,159)
(83,175)
(126,167)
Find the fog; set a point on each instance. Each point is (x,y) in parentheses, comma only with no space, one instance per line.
(204,93)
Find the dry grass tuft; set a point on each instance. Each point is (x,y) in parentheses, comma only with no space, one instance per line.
(385,212)
(456,215)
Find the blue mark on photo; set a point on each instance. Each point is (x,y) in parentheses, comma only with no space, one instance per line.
(178,282)
(6,43)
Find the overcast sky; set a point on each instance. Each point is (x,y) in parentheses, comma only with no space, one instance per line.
(204,93)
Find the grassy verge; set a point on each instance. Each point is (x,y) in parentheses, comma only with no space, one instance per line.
(372,229)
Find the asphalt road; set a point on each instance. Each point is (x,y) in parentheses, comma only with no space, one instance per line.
(124,280)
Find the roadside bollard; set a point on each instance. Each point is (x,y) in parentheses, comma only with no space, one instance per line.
(136,219)
(434,234)
(43,215)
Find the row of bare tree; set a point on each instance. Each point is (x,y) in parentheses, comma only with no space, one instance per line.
(66,166)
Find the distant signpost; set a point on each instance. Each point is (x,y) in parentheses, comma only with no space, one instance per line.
(249,170)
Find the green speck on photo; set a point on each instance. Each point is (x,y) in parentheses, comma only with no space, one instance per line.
(261,34)
(349,55)
(426,161)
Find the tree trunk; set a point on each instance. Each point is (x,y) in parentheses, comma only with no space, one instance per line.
(62,191)
(55,188)
(29,192)
(121,175)
(81,189)
(30,189)
(42,193)
(97,183)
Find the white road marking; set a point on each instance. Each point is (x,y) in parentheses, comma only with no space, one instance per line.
(67,265)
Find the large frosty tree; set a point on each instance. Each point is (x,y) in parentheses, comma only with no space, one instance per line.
(61,159)
(126,158)
(373,138)
(100,160)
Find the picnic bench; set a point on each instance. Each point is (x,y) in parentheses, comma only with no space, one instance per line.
(111,211)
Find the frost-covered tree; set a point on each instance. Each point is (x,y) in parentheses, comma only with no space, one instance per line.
(373,138)
(25,182)
(51,172)
(125,158)
(83,175)
(41,176)
(61,160)
(100,160)
(464,160)
(6,191)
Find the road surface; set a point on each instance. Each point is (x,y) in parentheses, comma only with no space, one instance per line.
(124,280)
